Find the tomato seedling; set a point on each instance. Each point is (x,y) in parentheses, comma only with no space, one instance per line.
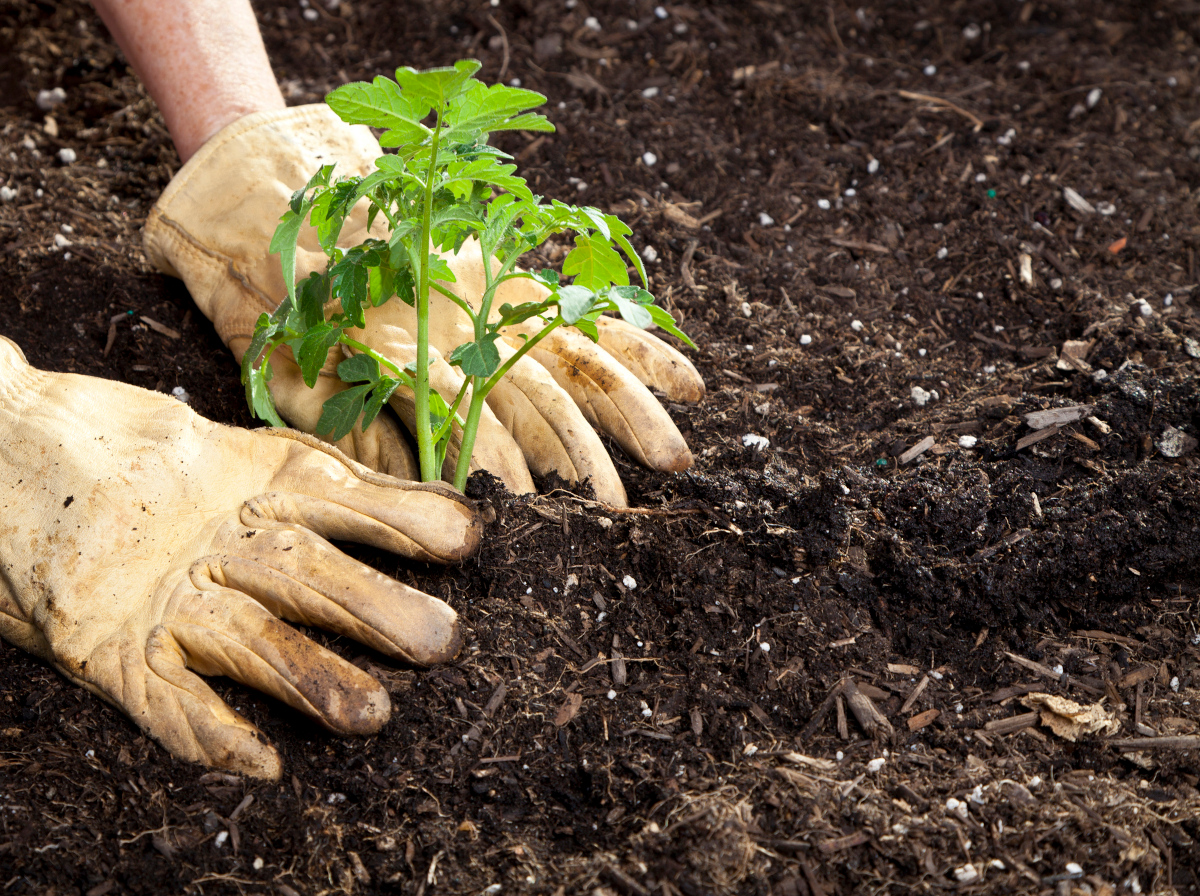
(442,185)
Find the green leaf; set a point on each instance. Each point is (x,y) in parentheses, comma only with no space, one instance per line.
(379,395)
(381,284)
(435,86)
(348,282)
(477,358)
(634,313)
(341,411)
(310,302)
(314,351)
(258,396)
(587,327)
(283,243)
(594,263)
(439,269)
(478,110)
(382,104)
(575,301)
(357,368)
(320,179)
(514,315)
(663,320)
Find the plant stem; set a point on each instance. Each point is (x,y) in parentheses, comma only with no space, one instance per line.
(425,456)
(379,359)
(470,429)
(479,393)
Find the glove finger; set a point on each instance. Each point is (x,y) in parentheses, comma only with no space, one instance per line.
(303,578)
(222,632)
(325,492)
(181,712)
(613,399)
(495,449)
(654,362)
(551,430)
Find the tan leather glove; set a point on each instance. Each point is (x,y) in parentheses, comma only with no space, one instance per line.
(213,226)
(143,546)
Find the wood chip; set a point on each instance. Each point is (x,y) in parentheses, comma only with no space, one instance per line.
(159,328)
(922,719)
(1012,724)
(617,668)
(858,838)
(1034,437)
(568,710)
(917,450)
(903,669)
(1179,742)
(824,765)
(869,718)
(1057,416)
(916,692)
(1077,202)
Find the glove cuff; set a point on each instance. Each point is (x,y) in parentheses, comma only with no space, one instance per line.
(212,226)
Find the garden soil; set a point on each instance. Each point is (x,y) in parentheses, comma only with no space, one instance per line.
(889,634)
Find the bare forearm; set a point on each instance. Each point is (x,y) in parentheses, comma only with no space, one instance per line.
(202,61)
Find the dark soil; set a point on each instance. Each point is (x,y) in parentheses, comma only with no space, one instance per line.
(595,737)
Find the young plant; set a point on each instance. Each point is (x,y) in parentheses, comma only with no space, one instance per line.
(441,186)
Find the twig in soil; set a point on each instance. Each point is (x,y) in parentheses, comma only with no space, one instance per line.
(1012,724)
(503,46)
(916,450)
(916,692)
(685,271)
(1176,742)
(870,719)
(1046,672)
(609,508)
(938,101)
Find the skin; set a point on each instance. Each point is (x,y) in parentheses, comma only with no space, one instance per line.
(203,62)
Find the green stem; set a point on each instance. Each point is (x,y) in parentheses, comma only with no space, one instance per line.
(401,375)
(427,461)
(453,414)
(479,393)
(520,353)
(470,429)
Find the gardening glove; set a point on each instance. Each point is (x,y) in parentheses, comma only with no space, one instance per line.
(213,226)
(144,546)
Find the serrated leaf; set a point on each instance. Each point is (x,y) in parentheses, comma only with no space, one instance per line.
(477,358)
(381,284)
(594,263)
(379,395)
(341,411)
(663,320)
(575,301)
(348,282)
(514,315)
(310,301)
(314,351)
(258,396)
(439,269)
(435,86)
(357,368)
(633,312)
(382,104)
(588,328)
(283,243)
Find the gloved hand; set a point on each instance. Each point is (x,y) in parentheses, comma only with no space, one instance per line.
(213,226)
(143,546)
